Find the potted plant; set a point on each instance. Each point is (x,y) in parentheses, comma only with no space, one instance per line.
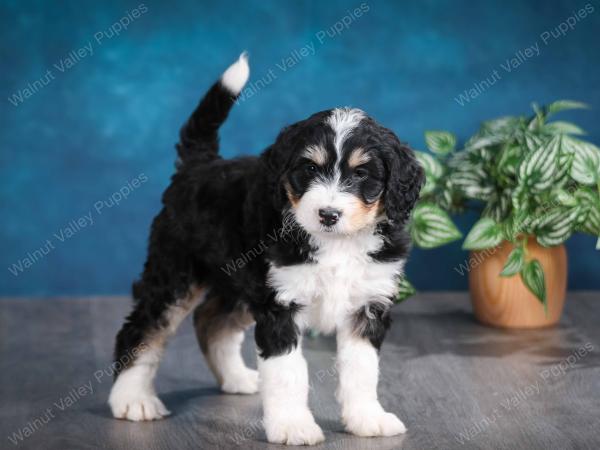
(536,182)
(431,225)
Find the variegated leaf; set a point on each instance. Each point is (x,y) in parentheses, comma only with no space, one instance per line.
(561,176)
(532,275)
(509,160)
(563,197)
(585,168)
(538,168)
(591,224)
(432,227)
(405,290)
(533,142)
(561,127)
(558,228)
(520,198)
(486,233)
(514,262)
(440,142)
(589,221)
(498,208)
(561,105)
(433,171)
(502,125)
(473,182)
(484,141)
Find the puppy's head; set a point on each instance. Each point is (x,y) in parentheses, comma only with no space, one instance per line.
(339,172)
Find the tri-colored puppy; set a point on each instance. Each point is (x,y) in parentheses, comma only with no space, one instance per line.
(318,221)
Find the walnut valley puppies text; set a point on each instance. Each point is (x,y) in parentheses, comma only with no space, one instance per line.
(76,225)
(70,397)
(296,55)
(514,61)
(76,55)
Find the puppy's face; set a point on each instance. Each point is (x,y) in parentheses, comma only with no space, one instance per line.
(335,184)
(345,173)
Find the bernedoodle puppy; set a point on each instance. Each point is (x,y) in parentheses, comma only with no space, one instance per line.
(311,234)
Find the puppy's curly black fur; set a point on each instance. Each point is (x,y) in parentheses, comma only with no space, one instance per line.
(225,223)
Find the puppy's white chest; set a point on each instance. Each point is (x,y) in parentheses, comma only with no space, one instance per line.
(342,278)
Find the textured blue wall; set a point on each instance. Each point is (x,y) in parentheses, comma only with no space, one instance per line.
(106,120)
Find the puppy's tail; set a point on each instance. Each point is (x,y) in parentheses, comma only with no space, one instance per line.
(199,136)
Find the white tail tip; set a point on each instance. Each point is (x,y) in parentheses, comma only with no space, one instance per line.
(236,75)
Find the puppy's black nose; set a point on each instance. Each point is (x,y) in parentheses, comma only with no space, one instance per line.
(329,216)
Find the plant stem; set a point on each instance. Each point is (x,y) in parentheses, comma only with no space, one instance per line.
(524,245)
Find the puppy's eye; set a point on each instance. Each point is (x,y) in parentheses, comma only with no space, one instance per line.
(361,172)
(310,168)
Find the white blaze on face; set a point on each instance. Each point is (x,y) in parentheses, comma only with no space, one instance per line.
(328,192)
(343,121)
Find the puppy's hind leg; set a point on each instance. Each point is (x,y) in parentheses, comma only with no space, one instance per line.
(220,332)
(139,348)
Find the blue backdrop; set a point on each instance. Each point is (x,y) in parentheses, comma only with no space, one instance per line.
(94,94)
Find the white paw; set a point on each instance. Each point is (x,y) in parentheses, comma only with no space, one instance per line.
(137,408)
(293,430)
(380,423)
(244,382)
(132,397)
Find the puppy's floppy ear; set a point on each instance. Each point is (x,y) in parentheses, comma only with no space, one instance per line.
(405,179)
(276,160)
(274,165)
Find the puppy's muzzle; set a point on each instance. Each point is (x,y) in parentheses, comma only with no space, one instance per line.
(329,216)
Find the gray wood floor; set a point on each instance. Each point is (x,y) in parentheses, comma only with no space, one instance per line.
(454,383)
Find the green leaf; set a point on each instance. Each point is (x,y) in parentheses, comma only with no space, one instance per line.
(589,221)
(473,181)
(514,225)
(514,262)
(405,290)
(433,171)
(585,168)
(502,125)
(558,227)
(497,207)
(520,198)
(432,227)
(564,198)
(440,142)
(565,160)
(561,127)
(509,159)
(532,275)
(538,120)
(561,105)
(479,142)
(591,224)
(486,233)
(532,142)
(538,168)
(586,196)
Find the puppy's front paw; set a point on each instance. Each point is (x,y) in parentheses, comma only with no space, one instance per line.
(294,431)
(245,382)
(378,423)
(138,408)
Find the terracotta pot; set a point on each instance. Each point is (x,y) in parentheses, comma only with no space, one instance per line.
(506,302)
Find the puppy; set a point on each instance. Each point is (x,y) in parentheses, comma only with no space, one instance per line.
(310,234)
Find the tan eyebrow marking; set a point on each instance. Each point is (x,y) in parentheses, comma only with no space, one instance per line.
(316,154)
(358,157)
